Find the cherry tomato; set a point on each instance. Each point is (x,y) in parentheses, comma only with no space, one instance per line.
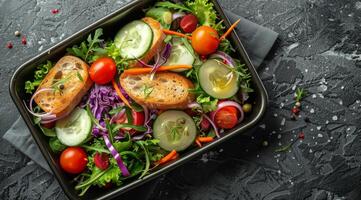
(73,160)
(226,118)
(101,160)
(103,70)
(205,40)
(138,120)
(189,23)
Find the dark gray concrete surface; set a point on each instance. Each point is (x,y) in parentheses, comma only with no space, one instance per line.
(319,50)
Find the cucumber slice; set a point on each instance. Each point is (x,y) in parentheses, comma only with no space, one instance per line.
(174,130)
(74,129)
(180,55)
(217,79)
(134,39)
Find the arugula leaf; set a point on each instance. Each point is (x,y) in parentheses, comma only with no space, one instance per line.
(245,77)
(204,10)
(55,145)
(39,74)
(208,103)
(87,48)
(170,5)
(226,46)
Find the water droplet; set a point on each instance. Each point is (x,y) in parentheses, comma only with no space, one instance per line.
(326,122)
(312,110)
(334,118)
(342,87)
(279,136)
(318,127)
(314,96)
(319,135)
(310,151)
(341,102)
(275,115)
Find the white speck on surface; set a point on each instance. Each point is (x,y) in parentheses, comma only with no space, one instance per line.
(294,88)
(52,39)
(326,122)
(341,102)
(42,41)
(257,155)
(279,136)
(328,140)
(282,105)
(322,88)
(279,171)
(294,158)
(331,137)
(310,151)
(279,144)
(311,129)
(314,96)
(318,127)
(292,46)
(358,5)
(306,70)
(263,126)
(321,95)
(342,87)
(312,110)
(331,19)
(275,115)
(335,118)
(41,48)
(319,135)
(283,121)
(61,36)
(358,101)
(298,164)
(252,137)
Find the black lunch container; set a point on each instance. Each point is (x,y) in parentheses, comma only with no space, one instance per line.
(111,24)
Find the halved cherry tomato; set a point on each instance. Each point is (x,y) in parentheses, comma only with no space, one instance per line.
(227,117)
(73,160)
(103,70)
(189,23)
(138,120)
(205,40)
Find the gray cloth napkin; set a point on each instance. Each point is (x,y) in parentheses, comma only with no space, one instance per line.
(256,39)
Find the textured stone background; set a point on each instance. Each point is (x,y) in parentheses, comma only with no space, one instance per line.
(318,50)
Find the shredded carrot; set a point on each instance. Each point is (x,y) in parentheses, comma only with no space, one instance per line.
(120,94)
(135,71)
(205,139)
(229,30)
(175,157)
(169,32)
(198,143)
(168,157)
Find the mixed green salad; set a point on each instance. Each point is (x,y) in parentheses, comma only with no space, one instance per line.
(115,109)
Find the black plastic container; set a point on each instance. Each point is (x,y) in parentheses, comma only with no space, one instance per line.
(111,24)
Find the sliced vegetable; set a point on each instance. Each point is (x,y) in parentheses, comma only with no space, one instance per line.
(189,23)
(218,80)
(163,15)
(101,160)
(138,119)
(170,156)
(73,160)
(74,129)
(226,120)
(134,39)
(180,55)
(120,94)
(169,32)
(228,60)
(103,70)
(205,40)
(175,130)
(205,139)
(116,156)
(135,71)
(230,30)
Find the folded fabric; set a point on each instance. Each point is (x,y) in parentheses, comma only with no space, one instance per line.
(256,39)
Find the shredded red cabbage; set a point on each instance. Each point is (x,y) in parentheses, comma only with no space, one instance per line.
(101,100)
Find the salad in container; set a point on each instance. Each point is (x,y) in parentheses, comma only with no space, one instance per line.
(117,109)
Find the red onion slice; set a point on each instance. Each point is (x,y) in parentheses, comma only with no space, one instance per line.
(117,116)
(224,57)
(177,15)
(116,156)
(213,125)
(229,103)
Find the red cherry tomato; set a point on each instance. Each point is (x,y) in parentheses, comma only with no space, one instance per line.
(138,120)
(189,23)
(73,160)
(103,70)
(226,118)
(205,40)
(101,160)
